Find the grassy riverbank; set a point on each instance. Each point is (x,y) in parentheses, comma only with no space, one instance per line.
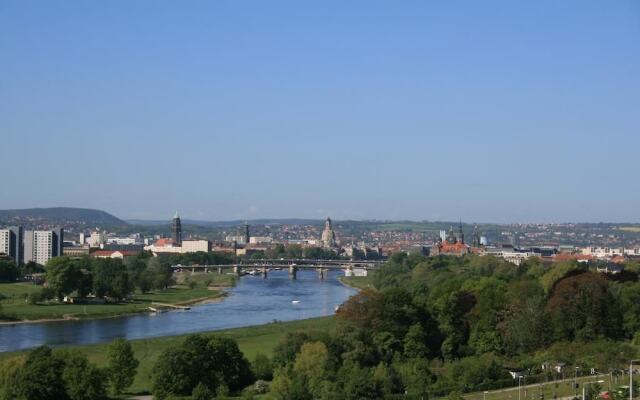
(358,282)
(252,340)
(14,306)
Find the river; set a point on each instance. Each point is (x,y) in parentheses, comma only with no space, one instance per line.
(253,301)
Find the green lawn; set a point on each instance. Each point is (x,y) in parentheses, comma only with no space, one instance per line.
(358,282)
(252,340)
(15,307)
(559,389)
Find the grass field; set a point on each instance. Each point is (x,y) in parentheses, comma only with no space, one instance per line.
(634,229)
(15,307)
(550,390)
(358,282)
(252,340)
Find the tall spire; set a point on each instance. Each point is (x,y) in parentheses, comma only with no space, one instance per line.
(460,233)
(176,230)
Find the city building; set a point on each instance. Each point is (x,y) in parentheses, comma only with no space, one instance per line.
(41,246)
(328,237)
(176,230)
(260,239)
(113,254)
(76,251)
(11,243)
(453,246)
(609,252)
(193,246)
(97,239)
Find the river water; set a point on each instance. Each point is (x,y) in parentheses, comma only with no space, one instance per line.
(253,301)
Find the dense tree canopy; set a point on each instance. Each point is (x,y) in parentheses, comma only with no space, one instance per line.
(473,318)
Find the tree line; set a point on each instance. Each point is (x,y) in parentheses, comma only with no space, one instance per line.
(442,325)
(45,374)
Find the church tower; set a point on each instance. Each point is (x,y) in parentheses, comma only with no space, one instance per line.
(176,230)
(476,236)
(246,232)
(460,233)
(328,235)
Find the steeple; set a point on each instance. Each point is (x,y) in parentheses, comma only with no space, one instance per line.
(246,232)
(476,236)
(451,237)
(176,230)
(460,233)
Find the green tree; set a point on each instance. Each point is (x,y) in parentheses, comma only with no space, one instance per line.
(41,376)
(110,279)
(8,271)
(286,351)
(63,276)
(387,379)
(211,361)
(357,382)
(313,364)
(288,385)
(122,365)
(262,367)
(82,380)
(415,342)
(201,392)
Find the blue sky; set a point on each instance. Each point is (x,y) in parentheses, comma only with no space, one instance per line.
(481,110)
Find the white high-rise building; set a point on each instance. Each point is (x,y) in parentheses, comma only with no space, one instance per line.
(97,239)
(5,241)
(11,243)
(41,246)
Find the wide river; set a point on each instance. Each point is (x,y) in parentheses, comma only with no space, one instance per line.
(252,301)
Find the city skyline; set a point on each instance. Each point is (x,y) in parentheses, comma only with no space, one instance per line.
(490,112)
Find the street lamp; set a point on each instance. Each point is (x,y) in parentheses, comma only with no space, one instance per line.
(631,378)
(519,377)
(584,387)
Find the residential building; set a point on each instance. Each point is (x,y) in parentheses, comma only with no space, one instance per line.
(11,243)
(41,246)
(97,239)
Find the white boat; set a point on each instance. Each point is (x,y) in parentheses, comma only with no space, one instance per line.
(295,301)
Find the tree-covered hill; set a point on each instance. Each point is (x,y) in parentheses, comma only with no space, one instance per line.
(59,216)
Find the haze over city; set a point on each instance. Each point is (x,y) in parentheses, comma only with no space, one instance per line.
(488,111)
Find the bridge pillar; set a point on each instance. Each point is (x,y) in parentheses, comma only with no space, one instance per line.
(193,270)
(322,272)
(348,271)
(219,270)
(264,272)
(236,270)
(206,270)
(293,270)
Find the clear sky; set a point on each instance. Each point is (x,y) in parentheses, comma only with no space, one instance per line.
(481,110)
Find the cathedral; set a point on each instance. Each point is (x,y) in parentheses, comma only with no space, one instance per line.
(328,237)
(454,245)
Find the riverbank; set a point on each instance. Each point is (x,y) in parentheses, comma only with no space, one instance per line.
(251,340)
(357,282)
(15,308)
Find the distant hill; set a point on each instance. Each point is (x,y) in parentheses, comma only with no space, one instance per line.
(59,216)
(222,224)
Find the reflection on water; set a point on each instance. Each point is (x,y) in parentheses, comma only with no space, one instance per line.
(253,301)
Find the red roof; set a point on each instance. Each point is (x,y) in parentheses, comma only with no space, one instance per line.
(163,242)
